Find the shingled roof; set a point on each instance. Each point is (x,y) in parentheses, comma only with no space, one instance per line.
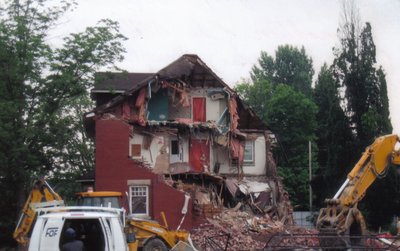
(117,81)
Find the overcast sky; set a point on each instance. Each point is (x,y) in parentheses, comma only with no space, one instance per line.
(229,34)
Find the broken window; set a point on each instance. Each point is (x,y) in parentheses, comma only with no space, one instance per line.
(176,155)
(136,150)
(174,147)
(139,200)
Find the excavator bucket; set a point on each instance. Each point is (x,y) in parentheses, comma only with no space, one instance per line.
(343,222)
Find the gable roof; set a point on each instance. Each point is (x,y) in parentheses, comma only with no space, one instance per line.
(189,68)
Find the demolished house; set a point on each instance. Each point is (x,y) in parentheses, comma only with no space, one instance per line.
(181,141)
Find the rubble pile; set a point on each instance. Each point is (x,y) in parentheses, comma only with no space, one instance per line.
(246,230)
(295,237)
(247,211)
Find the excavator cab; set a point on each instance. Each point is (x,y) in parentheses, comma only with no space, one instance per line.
(99,199)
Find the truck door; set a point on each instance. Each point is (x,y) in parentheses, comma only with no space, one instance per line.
(50,236)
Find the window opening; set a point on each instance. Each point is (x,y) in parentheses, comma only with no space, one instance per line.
(136,150)
(139,200)
(248,155)
(174,147)
(249,152)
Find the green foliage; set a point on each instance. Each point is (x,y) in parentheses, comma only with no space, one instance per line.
(334,137)
(366,104)
(291,116)
(281,94)
(256,95)
(290,66)
(364,85)
(43,95)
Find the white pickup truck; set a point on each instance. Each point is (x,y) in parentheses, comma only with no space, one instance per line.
(99,228)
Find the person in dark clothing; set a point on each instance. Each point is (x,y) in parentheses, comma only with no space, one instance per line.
(72,244)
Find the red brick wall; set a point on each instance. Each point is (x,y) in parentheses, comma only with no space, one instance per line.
(114,169)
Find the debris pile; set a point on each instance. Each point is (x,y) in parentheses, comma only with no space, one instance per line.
(294,237)
(245,230)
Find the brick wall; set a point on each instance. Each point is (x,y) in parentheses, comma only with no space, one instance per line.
(114,169)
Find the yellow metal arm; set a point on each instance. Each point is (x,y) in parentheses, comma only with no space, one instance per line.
(41,196)
(372,165)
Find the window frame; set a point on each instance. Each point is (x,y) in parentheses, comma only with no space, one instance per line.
(253,154)
(177,147)
(147,200)
(252,161)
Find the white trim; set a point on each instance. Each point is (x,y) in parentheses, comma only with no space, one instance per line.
(139,182)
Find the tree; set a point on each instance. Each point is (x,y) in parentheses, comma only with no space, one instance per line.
(291,66)
(365,90)
(280,92)
(365,98)
(256,95)
(291,116)
(43,94)
(334,137)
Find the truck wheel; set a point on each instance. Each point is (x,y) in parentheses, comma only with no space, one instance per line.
(155,245)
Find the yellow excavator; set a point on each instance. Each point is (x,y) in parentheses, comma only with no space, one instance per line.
(341,216)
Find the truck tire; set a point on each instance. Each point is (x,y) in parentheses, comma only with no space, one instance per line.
(155,245)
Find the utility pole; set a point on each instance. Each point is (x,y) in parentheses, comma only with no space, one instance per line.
(309,174)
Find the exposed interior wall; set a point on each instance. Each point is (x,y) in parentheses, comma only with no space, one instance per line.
(221,155)
(183,149)
(176,110)
(159,155)
(157,107)
(258,168)
(159,145)
(214,108)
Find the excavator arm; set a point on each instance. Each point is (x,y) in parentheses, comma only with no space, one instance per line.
(372,165)
(42,195)
(341,215)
